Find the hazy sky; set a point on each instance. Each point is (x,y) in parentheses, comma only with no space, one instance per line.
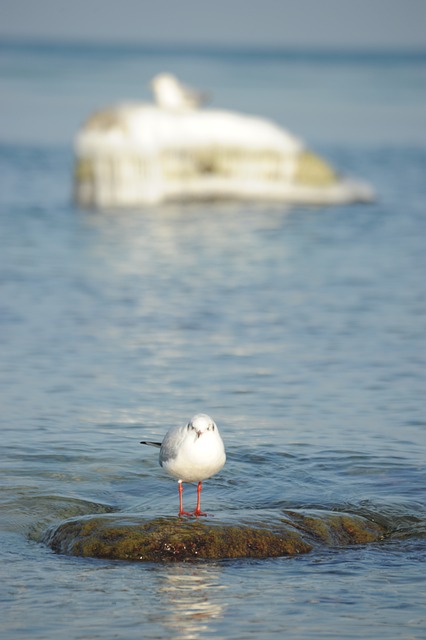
(353,23)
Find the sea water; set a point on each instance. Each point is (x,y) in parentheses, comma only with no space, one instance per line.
(302,331)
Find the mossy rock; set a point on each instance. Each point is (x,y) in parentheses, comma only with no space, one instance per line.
(130,537)
(164,539)
(84,170)
(336,528)
(311,170)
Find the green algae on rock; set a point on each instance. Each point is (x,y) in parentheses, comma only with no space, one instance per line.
(132,537)
(336,528)
(171,539)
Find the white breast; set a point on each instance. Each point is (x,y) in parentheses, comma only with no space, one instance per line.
(190,458)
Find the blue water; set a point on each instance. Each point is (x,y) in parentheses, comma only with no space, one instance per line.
(300,330)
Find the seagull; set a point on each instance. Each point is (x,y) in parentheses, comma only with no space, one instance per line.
(172,95)
(192,453)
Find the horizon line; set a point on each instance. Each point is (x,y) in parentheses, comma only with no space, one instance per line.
(191,47)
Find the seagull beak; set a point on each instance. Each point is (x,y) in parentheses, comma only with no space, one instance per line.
(199,433)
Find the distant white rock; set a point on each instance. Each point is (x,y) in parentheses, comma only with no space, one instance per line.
(137,153)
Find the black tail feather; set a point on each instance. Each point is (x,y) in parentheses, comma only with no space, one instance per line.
(151,444)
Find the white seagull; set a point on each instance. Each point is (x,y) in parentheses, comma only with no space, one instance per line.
(192,453)
(172,95)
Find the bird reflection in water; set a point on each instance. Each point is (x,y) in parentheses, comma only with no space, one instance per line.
(191,595)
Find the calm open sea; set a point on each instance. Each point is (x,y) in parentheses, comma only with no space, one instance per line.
(302,331)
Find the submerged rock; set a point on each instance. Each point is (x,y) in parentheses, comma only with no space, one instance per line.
(136,538)
(337,528)
(31,514)
(140,153)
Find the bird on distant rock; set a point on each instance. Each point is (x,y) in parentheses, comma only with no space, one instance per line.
(192,453)
(172,95)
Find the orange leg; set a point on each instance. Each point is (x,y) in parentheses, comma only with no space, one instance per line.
(181,511)
(198,511)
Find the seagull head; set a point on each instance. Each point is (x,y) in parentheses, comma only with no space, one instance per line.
(164,82)
(200,424)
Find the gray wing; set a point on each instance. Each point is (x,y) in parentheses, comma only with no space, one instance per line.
(151,444)
(171,443)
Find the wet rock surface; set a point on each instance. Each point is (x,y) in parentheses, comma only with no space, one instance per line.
(133,537)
